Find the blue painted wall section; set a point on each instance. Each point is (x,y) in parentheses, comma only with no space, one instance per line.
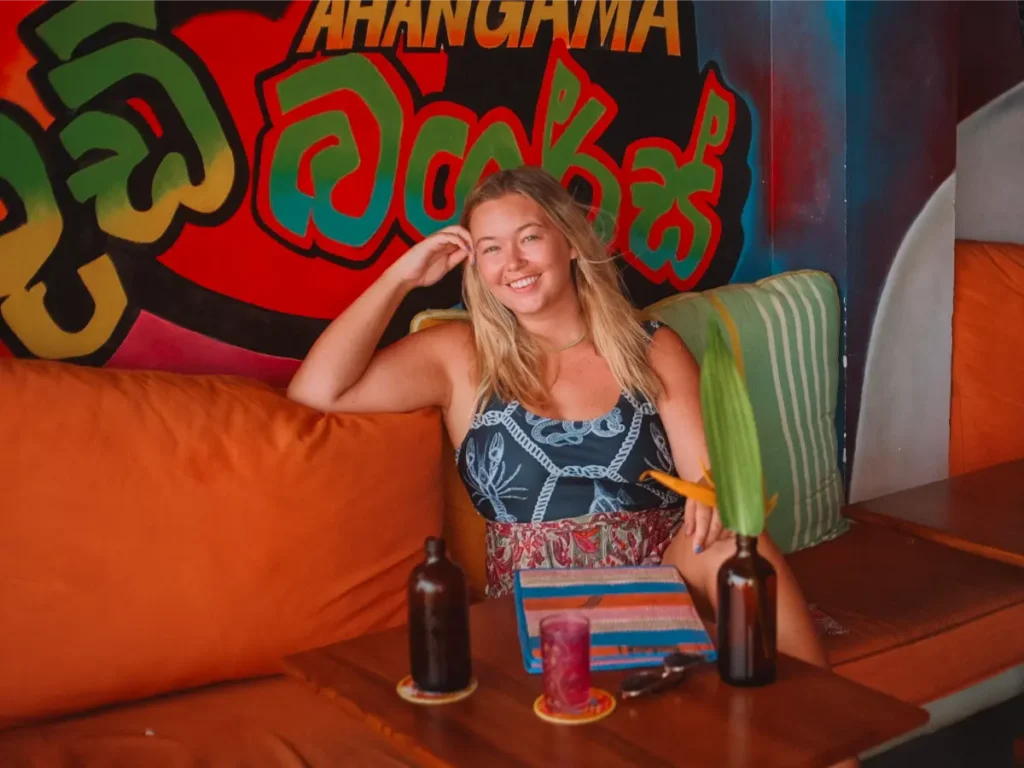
(807,195)
(901,120)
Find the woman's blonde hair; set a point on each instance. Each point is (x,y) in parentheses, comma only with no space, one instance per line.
(509,359)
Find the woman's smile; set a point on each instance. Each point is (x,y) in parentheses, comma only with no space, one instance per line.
(524,284)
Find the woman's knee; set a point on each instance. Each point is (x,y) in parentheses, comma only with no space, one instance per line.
(700,571)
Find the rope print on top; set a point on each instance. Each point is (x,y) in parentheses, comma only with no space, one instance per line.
(523,468)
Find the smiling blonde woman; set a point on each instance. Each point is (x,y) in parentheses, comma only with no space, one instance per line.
(557,394)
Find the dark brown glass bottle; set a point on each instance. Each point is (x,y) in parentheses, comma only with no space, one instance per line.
(439,623)
(746,616)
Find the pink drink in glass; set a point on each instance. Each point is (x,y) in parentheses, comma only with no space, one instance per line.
(565,653)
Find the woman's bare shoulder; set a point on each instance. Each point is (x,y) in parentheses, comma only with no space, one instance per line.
(666,342)
(453,333)
(452,342)
(670,358)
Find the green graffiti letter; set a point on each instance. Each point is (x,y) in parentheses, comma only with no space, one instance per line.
(497,143)
(106,180)
(579,121)
(681,184)
(338,154)
(26,248)
(654,201)
(439,134)
(63,31)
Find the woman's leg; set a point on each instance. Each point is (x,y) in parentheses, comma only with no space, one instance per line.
(796,633)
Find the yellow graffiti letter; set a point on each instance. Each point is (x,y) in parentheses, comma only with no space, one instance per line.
(648,18)
(555,11)
(455,21)
(27,316)
(405,12)
(371,14)
(507,33)
(328,15)
(25,249)
(610,12)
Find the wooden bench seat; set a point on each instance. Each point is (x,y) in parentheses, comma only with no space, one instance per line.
(921,620)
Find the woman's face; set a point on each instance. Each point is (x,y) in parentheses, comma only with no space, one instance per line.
(521,256)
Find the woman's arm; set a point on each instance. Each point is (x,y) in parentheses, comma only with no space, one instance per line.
(679,408)
(343,372)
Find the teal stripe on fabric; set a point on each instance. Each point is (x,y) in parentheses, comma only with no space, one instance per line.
(641,639)
(649,637)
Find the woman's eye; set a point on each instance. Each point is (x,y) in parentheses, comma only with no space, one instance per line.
(490,249)
(528,238)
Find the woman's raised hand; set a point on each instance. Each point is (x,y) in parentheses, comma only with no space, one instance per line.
(434,257)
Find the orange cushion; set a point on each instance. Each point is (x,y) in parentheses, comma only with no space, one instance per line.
(267,723)
(922,620)
(159,531)
(987,406)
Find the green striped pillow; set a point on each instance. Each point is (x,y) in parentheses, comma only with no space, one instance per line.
(788,332)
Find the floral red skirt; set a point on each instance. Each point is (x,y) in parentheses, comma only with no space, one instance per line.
(597,540)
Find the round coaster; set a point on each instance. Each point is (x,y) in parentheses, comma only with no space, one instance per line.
(407,690)
(601,704)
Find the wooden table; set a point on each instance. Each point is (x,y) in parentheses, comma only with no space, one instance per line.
(807,717)
(980,512)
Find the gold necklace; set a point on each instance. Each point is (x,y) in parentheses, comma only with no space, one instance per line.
(571,344)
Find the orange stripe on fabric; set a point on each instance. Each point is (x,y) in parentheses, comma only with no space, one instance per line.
(578,602)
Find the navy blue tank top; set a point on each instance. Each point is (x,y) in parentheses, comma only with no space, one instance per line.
(521,467)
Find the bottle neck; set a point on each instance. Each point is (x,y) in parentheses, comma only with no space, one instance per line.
(435,549)
(746,546)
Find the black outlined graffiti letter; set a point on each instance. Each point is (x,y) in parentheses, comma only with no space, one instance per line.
(28,236)
(150,146)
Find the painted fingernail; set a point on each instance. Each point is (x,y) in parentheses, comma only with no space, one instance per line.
(698,549)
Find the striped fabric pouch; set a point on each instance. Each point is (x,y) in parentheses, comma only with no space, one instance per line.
(638,615)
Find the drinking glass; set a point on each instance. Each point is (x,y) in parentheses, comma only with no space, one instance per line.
(565,654)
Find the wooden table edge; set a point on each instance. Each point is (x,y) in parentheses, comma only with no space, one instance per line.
(410,747)
(403,742)
(859,514)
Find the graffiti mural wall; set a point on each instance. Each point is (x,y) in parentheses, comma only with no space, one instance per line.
(202,186)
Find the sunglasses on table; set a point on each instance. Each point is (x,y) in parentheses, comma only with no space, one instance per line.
(651,681)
